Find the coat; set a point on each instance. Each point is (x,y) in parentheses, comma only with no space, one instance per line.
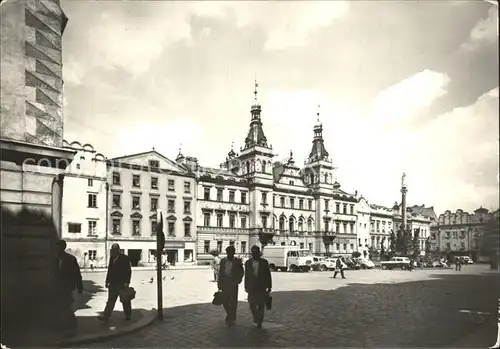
(119,271)
(68,273)
(234,278)
(260,283)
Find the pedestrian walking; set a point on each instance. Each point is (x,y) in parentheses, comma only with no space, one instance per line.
(339,267)
(258,284)
(230,276)
(458,264)
(117,280)
(216,268)
(68,278)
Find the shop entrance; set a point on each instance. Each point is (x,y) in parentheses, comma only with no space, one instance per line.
(135,257)
(171,257)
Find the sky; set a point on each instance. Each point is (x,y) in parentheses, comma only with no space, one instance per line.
(409,86)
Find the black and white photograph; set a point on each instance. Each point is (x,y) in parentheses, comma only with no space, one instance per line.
(249,174)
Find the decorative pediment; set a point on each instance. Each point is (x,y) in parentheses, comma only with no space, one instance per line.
(301,217)
(171,218)
(136,215)
(116,214)
(144,160)
(292,216)
(311,218)
(188,219)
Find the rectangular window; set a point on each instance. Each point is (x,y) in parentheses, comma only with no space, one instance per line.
(337,246)
(291,182)
(292,203)
(206,246)
(282,201)
(264,198)
(345,247)
(232,219)
(116,226)
(352,247)
(243,222)
(187,187)
(455,235)
(188,255)
(352,209)
(187,206)
(136,202)
(301,245)
(154,183)
(153,227)
(310,204)
(92,255)
(352,227)
(243,197)
(219,219)
(310,246)
(337,227)
(187,229)
(243,247)
(231,196)
(117,201)
(206,219)
(206,193)
(327,226)
(345,209)
(337,207)
(116,178)
(219,246)
(90,182)
(154,204)
(264,222)
(92,201)
(219,194)
(171,185)
(136,227)
(136,181)
(301,204)
(154,164)
(171,228)
(171,206)
(74,228)
(345,227)
(92,227)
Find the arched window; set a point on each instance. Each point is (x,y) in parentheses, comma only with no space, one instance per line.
(264,166)
(311,178)
(291,225)
(326,177)
(301,225)
(282,223)
(248,166)
(309,225)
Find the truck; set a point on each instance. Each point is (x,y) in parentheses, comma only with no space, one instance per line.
(402,263)
(288,258)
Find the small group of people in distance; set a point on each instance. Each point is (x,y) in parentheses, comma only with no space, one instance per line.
(69,278)
(256,273)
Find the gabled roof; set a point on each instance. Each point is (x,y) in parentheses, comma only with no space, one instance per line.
(126,158)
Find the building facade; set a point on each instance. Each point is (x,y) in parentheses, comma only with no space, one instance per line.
(461,231)
(381,225)
(141,184)
(84,205)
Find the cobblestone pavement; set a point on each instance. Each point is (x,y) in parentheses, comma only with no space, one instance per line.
(369,308)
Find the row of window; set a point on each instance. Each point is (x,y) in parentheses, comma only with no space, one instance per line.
(454,235)
(232,220)
(136,228)
(206,246)
(76,228)
(136,182)
(220,195)
(153,203)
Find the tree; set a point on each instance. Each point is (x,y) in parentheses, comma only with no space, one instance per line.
(427,246)
(416,243)
(393,241)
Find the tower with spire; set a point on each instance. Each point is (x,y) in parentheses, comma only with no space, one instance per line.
(256,165)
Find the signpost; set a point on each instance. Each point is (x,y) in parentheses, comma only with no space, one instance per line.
(160,244)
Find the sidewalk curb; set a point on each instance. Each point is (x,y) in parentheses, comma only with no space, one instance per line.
(147,318)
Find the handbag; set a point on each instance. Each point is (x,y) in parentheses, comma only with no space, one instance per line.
(218,298)
(269,302)
(127,294)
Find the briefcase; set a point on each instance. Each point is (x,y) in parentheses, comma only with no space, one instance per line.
(269,303)
(218,298)
(127,294)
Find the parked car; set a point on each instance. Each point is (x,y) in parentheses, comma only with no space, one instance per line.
(365,263)
(317,262)
(353,263)
(402,263)
(328,264)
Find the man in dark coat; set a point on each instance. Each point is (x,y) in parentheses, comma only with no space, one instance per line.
(117,279)
(230,276)
(339,267)
(258,284)
(68,278)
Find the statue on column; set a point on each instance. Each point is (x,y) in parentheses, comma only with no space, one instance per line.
(403,180)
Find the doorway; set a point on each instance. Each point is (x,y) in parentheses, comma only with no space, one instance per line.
(135,257)
(171,257)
